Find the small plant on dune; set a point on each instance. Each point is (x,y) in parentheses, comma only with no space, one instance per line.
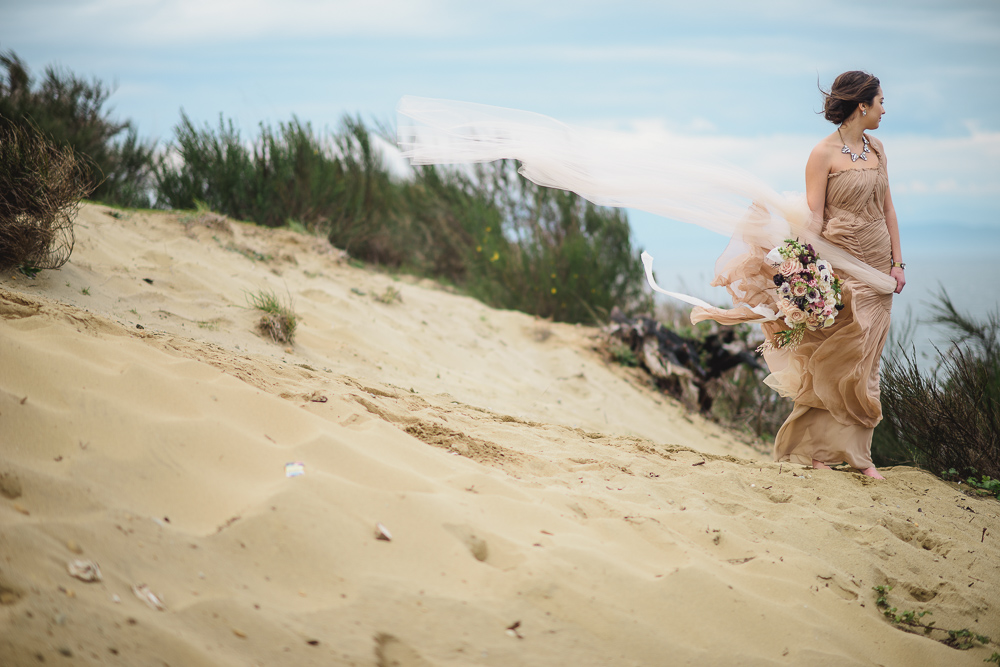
(390,296)
(910,621)
(29,270)
(982,486)
(623,354)
(278,320)
(41,186)
(542,331)
(248,252)
(296,226)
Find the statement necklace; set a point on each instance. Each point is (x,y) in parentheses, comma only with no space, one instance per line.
(854,156)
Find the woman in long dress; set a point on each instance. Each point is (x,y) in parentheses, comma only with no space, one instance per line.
(847,216)
(847,188)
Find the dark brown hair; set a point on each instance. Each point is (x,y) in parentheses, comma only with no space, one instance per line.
(848,91)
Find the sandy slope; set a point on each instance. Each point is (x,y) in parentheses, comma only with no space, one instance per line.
(522,478)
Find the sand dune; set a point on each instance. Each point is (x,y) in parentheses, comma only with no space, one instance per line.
(545,507)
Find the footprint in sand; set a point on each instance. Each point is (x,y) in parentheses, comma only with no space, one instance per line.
(10,485)
(390,651)
(497,552)
(9,593)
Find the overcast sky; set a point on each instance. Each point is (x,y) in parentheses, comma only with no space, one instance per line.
(742,75)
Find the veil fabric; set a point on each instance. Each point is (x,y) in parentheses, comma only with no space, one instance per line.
(613,169)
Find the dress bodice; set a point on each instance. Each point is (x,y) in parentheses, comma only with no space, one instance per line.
(854,214)
(859,191)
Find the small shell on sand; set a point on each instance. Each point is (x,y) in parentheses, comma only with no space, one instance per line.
(149,597)
(382,533)
(84,570)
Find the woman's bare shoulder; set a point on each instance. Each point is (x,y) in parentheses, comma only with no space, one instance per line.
(825,151)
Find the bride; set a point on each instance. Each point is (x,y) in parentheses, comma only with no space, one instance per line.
(833,375)
(847,215)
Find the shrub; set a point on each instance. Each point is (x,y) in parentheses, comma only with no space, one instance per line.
(71,112)
(539,250)
(278,320)
(503,239)
(738,397)
(742,401)
(623,354)
(336,186)
(946,419)
(40,189)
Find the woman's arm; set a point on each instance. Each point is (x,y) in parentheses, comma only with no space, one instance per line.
(817,173)
(893,224)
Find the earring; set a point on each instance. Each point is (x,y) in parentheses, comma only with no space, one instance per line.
(864,113)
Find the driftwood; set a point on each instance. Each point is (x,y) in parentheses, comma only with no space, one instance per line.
(682,367)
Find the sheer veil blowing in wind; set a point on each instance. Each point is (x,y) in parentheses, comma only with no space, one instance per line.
(613,169)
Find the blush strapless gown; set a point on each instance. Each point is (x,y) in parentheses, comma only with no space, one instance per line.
(833,376)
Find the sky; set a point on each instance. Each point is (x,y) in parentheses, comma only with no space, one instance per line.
(741,76)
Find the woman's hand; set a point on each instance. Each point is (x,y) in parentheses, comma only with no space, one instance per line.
(900,276)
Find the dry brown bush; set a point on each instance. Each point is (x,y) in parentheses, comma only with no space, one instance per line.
(41,186)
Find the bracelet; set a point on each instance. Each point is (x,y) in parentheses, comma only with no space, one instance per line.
(901,265)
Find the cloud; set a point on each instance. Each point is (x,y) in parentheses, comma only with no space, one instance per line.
(688,56)
(187,21)
(967,165)
(958,21)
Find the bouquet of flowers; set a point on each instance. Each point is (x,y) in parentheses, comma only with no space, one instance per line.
(809,292)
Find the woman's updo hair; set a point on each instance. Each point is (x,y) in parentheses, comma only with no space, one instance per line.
(848,91)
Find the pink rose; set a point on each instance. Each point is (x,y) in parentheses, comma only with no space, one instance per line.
(790,267)
(799,289)
(794,316)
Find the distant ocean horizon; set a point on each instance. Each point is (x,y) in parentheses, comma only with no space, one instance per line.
(962,260)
